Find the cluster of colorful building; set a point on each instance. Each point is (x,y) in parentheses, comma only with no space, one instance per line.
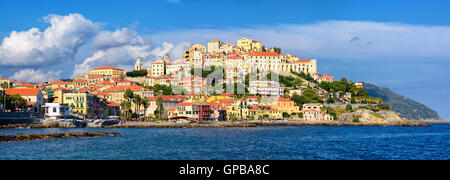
(99,93)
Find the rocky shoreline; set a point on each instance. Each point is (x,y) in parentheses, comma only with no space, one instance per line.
(30,137)
(260,124)
(227,124)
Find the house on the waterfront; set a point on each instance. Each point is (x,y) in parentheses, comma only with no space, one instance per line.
(56,110)
(315,112)
(33,96)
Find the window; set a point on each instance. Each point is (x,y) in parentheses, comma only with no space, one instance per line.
(54,109)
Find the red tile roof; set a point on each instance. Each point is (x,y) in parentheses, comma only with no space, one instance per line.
(59,82)
(229,95)
(107,67)
(304,60)
(260,53)
(27,85)
(187,104)
(79,81)
(23,92)
(110,103)
(61,89)
(124,88)
(95,75)
(168,98)
(101,93)
(283,99)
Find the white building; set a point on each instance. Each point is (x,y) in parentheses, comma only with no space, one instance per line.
(138,65)
(271,88)
(57,110)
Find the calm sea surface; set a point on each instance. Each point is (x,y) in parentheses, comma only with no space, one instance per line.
(256,143)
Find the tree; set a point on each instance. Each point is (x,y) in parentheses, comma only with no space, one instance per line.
(18,102)
(137,103)
(325,85)
(300,115)
(348,107)
(384,106)
(286,115)
(146,103)
(277,50)
(4,85)
(330,100)
(128,95)
(126,106)
(137,73)
(160,108)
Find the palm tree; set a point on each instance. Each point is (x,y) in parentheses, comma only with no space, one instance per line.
(128,95)
(159,104)
(146,103)
(137,102)
(125,105)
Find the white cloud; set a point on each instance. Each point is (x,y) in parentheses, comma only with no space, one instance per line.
(31,75)
(59,42)
(121,48)
(333,39)
(116,56)
(124,36)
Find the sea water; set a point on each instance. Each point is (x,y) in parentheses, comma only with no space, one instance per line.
(253,143)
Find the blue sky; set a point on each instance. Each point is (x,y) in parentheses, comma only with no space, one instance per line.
(401,44)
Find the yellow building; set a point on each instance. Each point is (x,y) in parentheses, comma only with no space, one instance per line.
(285,105)
(214,45)
(220,97)
(108,71)
(272,61)
(116,92)
(261,112)
(196,97)
(58,95)
(189,54)
(248,45)
(237,110)
(302,65)
(80,102)
(60,84)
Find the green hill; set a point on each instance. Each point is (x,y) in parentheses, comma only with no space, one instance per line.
(405,107)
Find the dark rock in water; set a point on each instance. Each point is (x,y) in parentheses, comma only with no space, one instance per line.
(30,137)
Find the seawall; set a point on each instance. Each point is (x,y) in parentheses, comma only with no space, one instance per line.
(259,124)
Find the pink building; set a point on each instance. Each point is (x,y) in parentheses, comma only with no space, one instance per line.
(315,112)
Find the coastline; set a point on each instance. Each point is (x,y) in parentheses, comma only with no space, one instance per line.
(261,124)
(230,124)
(224,124)
(434,121)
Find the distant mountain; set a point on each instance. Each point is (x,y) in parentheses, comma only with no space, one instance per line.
(405,107)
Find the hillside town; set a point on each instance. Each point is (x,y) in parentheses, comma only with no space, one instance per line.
(218,82)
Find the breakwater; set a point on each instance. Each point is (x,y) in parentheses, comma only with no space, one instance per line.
(30,137)
(257,124)
(33,126)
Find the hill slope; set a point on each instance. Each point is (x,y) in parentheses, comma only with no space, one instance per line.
(405,107)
